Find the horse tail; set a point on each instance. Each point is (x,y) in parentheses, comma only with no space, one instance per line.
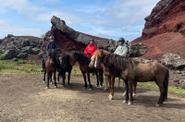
(166,80)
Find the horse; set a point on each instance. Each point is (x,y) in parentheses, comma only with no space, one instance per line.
(99,52)
(83,61)
(50,69)
(64,67)
(132,72)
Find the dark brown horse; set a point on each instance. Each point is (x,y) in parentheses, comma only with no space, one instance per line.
(50,69)
(64,67)
(132,71)
(83,61)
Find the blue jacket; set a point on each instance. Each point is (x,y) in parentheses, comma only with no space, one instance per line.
(51,45)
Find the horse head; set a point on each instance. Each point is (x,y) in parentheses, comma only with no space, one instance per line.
(99,56)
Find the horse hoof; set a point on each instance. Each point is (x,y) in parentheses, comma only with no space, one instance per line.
(47,87)
(105,89)
(129,103)
(85,86)
(134,94)
(158,105)
(55,86)
(110,97)
(125,101)
(124,93)
(43,82)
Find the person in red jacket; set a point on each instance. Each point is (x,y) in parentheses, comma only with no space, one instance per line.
(89,51)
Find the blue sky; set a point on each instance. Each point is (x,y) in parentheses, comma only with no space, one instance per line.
(105,18)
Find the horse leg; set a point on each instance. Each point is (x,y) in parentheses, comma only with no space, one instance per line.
(162,93)
(84,76)
(127,92)
(55,83)
(101,77)
(44,76)
(64,78)
(58,78)
(69,77)
(97,77)
(130,83)
(89,80)
(111,85)
(134,87)
(119,81)
(48,79)
(166,86)
(106,83)
(124,85)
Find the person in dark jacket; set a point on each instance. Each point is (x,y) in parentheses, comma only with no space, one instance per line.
(50,48)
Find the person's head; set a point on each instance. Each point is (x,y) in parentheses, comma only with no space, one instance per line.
(51,38)
(121,41)
(91,42)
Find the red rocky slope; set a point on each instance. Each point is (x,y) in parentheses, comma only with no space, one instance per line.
(164,29)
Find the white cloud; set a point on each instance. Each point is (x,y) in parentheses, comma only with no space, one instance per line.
(111,19)
(9,28)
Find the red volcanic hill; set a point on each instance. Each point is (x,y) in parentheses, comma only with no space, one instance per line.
(164,30)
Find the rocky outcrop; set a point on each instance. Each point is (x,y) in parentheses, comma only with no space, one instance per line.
(69,39)
(167,16)
(173,61)
(164,30)
(19,46)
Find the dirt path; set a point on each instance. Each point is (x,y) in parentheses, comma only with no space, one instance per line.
(25,98)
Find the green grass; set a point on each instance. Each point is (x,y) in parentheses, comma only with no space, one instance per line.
(171,89)
(25,67)
(19,67)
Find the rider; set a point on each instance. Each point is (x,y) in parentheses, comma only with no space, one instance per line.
(50,48)
(89,51)
(123,48)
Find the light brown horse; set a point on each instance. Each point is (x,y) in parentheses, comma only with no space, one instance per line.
(99,53)
(132,72)
(50,70)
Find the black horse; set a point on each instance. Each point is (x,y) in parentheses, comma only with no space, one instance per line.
(64,67)
(71,57)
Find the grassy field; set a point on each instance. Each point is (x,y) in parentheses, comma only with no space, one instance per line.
(171,89)
(20,67)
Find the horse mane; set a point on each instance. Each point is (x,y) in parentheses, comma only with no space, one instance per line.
(116,61)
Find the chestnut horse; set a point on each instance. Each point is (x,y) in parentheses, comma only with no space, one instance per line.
(132,72)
